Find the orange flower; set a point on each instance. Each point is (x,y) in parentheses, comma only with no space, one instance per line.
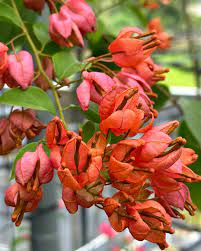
(163,37)
(119,112)
(129,49)
(81,163)
(151,222)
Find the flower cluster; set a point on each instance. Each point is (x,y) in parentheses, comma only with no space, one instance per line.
(74,20)
(148,174)
(146,167)
(67,26)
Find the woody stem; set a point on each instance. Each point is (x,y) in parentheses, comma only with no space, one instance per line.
(40,67)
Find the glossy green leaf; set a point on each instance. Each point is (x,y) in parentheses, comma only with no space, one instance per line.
(88,130)
(66,64)
(163,95)
(8,12)
(186,133)
(33,97)
(89,114)
(192,114)
(41,32)
(27,148)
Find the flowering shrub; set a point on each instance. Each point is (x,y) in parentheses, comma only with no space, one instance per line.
(147,167)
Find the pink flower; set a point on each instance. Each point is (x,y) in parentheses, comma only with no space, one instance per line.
(124,80)
(64,31)
(39,171)
(3,58)
(93,87)
(81,14)
(106,229)
(151,72)
(155,153)
(20,70)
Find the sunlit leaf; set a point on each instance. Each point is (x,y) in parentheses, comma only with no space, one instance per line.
(33,97)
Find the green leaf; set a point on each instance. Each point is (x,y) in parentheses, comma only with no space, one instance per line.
(8,12)
(41,32)
(105,174)
(88,130)
(163,95)
(27,148)
(46,149)
(66,64)
(185,132)
(89,114)
(192,114)
(139,13)
(115,139)
(33,97)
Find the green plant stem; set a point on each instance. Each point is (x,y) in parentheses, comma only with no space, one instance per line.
(40,67)
(15,38)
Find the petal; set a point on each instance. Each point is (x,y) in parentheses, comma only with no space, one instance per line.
(110,205)
(67,179)
(156,144)
(84,198)
(107,104)
(46,171)
(61,24)
(188,156)
(69,199)
(138,228)
(162,162)
(118,223)
(55,157)
(25,167)
(11,195)
(122,122)
(127,52)
(83,94)
(94,169)
(101,79)
(118,170)
(82,14)
(21,68)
